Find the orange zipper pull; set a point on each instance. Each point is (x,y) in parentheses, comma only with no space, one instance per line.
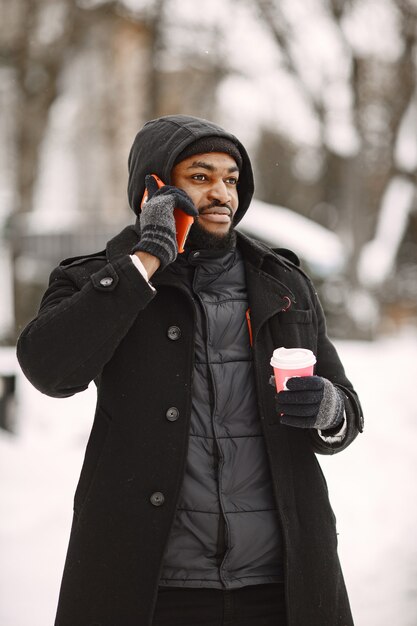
(249,327)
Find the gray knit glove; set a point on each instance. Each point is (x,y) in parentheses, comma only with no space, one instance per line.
(310,402)
(157,224)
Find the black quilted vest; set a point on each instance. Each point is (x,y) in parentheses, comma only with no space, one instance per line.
(226,532)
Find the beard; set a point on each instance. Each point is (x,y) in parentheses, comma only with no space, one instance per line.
(201,239)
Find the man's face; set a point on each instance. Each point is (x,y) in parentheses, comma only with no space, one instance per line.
(210,179)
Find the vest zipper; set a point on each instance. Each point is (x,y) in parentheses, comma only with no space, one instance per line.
(249,323)
(222,527)
(221,531)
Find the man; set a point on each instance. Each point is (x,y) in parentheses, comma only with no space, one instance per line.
(200,499)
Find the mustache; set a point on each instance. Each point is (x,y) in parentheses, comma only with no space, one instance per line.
(213,205)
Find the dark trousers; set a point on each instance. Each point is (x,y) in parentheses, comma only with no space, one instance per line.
(260,605)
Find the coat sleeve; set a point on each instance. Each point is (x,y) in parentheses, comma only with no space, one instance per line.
(329,366)
(80,325)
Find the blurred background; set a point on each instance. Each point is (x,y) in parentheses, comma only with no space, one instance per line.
(324,95)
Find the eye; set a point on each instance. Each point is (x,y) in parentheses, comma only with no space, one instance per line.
(232,180)
(201,177)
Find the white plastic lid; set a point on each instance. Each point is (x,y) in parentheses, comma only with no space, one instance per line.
(292,358)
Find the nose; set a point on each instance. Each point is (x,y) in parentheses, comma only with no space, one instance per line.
(219,191)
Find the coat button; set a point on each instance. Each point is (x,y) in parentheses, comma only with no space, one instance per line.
(174,333)
(157,498)
(106,282)
(172,414)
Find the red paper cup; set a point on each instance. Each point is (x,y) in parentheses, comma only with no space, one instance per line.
(289,362)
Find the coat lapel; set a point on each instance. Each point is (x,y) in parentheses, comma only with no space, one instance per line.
(267,296)
(267,293)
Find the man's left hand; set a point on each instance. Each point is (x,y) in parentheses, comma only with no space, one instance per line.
(310,402)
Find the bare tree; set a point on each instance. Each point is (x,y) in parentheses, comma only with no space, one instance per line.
(38,39)
(381,91)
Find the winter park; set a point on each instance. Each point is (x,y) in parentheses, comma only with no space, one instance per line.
(322,95)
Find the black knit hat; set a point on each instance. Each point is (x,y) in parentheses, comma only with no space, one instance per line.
(211,144)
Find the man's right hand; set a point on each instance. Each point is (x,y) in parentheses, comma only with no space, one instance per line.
(157,224)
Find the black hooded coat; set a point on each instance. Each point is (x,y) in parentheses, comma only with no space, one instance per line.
(99,320)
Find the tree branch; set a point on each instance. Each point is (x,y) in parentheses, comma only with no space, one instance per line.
(279,27)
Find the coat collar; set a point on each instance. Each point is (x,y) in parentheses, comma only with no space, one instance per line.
(122,243)
(266,273)
(254,251)
(258,253)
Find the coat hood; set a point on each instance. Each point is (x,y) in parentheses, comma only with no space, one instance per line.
(160,141)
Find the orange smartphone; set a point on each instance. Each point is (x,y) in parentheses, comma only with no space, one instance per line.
(183,222)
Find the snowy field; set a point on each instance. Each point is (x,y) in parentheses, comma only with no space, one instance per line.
(372,487)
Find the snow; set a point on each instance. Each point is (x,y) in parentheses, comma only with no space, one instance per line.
(282,227)
(406,146)
(7,304)
(378,256)
(7,151)
(372,489)
(8,361)
(372,485)
(372,28)
(55,211)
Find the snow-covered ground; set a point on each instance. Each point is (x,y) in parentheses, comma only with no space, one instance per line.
(372,487)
